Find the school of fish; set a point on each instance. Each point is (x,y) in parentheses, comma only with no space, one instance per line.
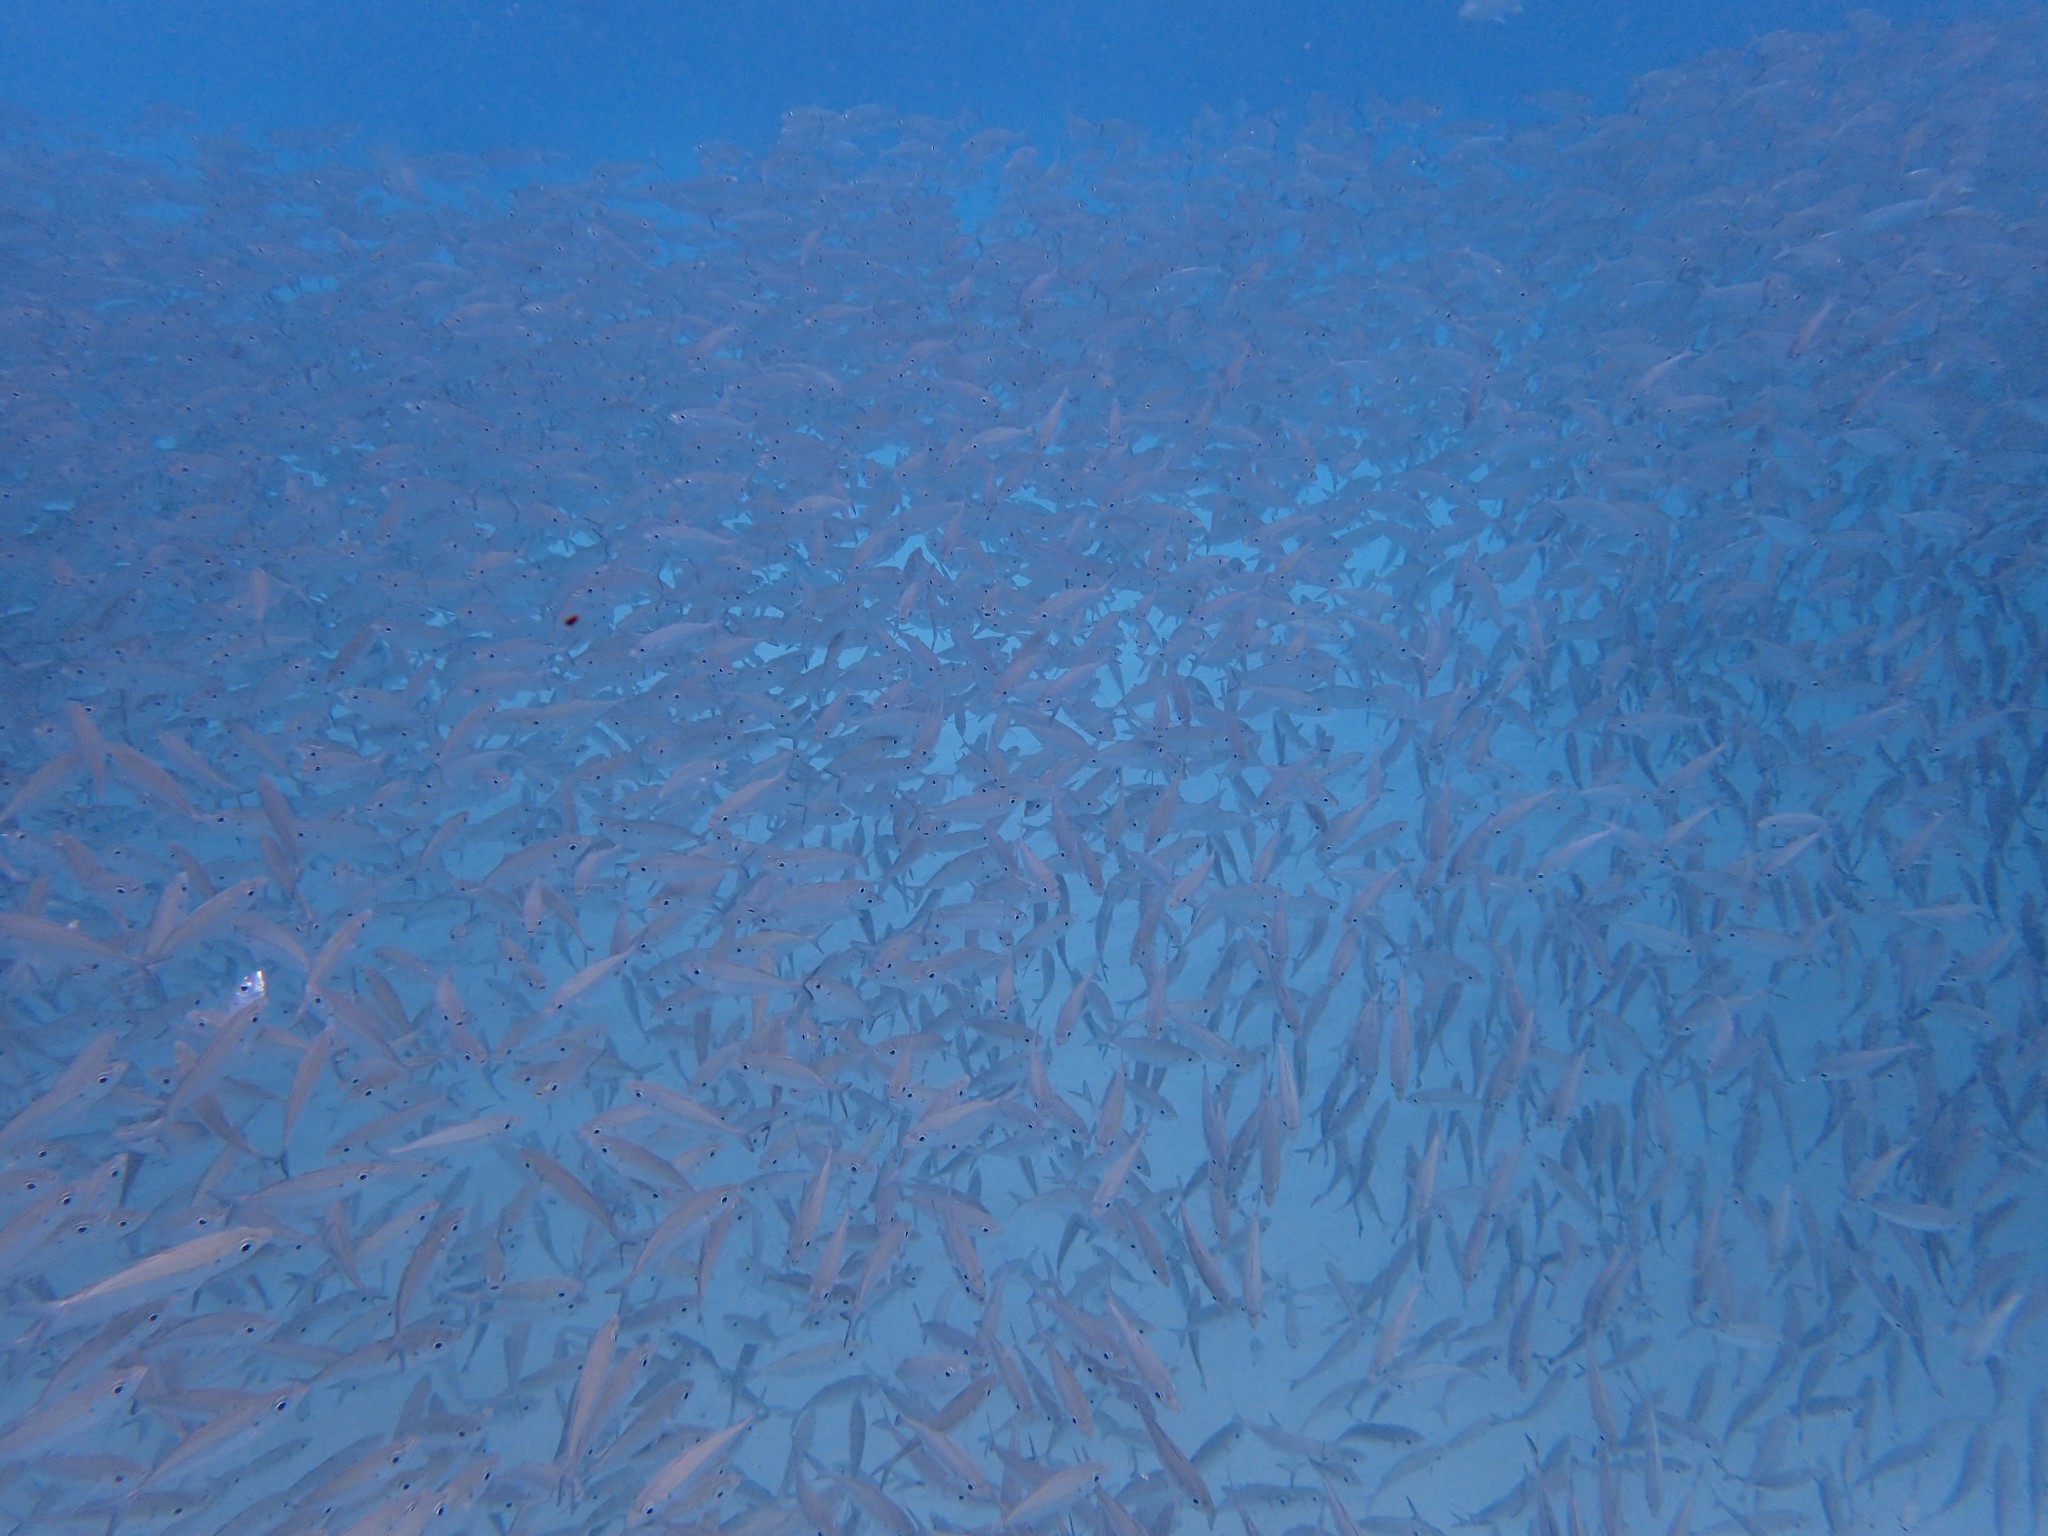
(1337,828)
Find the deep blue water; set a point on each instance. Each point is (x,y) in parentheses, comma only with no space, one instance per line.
(625,79)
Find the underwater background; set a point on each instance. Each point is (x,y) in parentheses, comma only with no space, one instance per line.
(908,769)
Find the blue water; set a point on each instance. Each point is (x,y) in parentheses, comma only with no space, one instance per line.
(630,79)
(956,769)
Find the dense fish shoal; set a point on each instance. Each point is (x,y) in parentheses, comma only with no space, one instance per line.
(1335,828)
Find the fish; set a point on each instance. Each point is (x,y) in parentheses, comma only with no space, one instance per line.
(912,826)
(170,1270)
(676,1473)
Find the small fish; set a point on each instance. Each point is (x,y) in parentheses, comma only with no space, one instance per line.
(183,1266)
(679,1470)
